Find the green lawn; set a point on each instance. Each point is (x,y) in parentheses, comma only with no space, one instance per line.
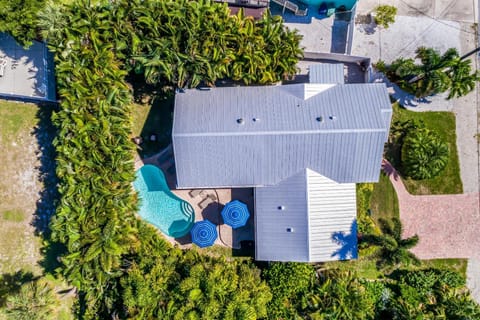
(366,267)
(384,201)
(363,266)
(458,265)
(443,123)
(153,118)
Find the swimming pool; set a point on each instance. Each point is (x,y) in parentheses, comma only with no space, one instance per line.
(336,4)
(159,206)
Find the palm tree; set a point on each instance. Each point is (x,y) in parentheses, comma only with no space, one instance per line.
(339,295)
(437,73)
(35,300)
(393,250)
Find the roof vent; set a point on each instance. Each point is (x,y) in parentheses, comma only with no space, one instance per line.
(333,117)
(240,121)
(290,230)
(281,207)
(320,119)
(256,119)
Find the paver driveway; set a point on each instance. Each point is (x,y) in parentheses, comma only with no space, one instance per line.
(448,225)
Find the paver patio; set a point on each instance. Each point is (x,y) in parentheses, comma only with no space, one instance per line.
(227,236)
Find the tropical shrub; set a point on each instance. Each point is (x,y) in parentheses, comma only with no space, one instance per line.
(19,18)
(424,154)
(188,42)
(364,195)
(214,288)
(289,282)
(94,219)
(385,15)
(34,300)
(341,295)
(151,276)
(430,294)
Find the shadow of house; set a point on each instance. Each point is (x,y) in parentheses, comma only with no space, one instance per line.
(245,234)
(348,243)
(339,36)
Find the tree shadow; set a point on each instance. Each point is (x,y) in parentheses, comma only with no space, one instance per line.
(45,133)
(399,95)
(157,130)
(10,283)
(348,243)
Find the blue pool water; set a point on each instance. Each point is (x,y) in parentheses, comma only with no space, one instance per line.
(336,3)
(159,206)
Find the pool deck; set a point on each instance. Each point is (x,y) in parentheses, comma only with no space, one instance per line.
(320,33)
(227,236)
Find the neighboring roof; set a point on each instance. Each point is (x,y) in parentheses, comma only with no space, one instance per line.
(336,130)
(28,74)
(256,13)
(319,213)
(326,73)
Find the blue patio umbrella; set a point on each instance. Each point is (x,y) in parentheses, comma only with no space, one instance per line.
(235,214)
(204,233)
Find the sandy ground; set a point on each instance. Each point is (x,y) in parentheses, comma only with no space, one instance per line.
(19,192)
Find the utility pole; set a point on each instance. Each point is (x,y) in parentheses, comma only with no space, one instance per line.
(470,53)
(420,76)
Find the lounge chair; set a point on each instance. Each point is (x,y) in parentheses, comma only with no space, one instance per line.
(205,202)
(326,9)
(195,192)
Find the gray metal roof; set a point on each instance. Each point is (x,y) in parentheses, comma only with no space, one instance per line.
(326,73)
(315,223)
(279,133)
(272,241)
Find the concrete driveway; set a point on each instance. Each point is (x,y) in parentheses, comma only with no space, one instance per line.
(440,24)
